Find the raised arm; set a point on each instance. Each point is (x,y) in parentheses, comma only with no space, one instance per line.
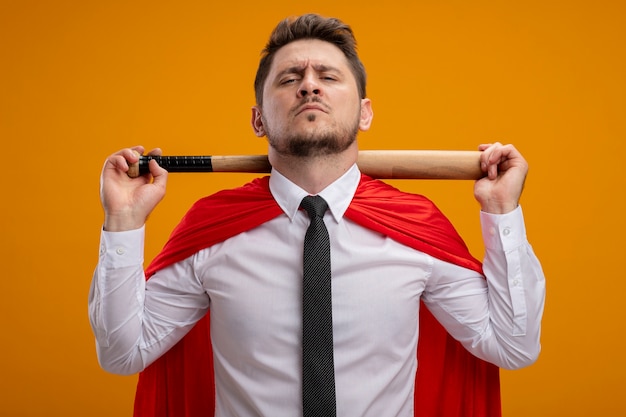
(133,327)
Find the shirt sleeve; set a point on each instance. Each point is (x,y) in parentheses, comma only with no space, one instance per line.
(135,321)
(498,317)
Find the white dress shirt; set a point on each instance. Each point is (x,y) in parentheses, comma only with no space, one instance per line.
(252,283)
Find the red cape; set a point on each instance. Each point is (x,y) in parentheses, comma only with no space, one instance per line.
(450,382)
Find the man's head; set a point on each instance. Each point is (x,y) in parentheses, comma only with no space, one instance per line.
(310,26)
(310,89)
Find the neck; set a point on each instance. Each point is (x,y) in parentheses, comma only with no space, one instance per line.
(314,173)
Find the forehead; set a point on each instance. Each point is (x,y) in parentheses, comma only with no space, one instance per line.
(305,52)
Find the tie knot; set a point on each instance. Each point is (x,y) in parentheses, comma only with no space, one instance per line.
(314,205)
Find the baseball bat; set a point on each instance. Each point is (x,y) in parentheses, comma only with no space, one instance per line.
(381,164)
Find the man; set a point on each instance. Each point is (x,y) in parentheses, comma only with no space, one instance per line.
(239,255)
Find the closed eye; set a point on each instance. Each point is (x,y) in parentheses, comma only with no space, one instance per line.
(287,81)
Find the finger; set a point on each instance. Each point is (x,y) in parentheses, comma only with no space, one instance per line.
(139,149)
(120,160)
(486,156)
(117,162)
(155,168)
(130,154)
(501,158)
(159,174)
(492,171)
(155,152)
(492,158)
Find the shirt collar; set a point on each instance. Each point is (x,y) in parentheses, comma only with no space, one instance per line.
(338,194)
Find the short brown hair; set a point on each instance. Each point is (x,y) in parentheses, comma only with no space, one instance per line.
(310,26)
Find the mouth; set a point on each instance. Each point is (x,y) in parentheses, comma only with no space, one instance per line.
(311,107)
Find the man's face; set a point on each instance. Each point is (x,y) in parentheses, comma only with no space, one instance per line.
(311,104)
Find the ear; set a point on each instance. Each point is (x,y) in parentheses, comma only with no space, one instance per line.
(367,114)
(257,121)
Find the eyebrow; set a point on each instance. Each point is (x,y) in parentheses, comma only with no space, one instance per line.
(298,69)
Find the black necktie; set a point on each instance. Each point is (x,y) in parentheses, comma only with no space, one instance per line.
(318,370)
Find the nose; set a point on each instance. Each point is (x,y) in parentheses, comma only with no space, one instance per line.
(303,92)
(308,86)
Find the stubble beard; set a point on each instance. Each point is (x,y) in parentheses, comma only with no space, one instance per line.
(314,143)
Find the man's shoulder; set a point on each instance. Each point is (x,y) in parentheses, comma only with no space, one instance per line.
(377,191)
(256,190)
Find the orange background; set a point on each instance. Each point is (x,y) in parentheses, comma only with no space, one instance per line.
(81,79)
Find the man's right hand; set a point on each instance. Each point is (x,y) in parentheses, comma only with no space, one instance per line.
(128,202)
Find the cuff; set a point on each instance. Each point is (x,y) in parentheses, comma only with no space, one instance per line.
(120,249)
(503,231)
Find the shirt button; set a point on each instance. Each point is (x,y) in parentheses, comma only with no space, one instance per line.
(120,251)
(506,231)
(515,282)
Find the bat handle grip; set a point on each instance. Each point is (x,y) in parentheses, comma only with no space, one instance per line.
(171,164)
